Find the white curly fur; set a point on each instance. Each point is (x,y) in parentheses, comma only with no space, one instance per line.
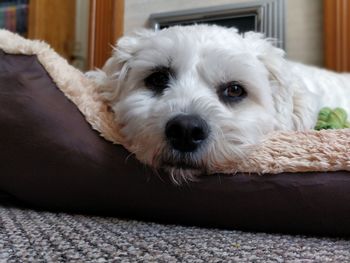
(282,95)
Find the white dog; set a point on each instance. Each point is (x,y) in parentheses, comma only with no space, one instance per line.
(189,98)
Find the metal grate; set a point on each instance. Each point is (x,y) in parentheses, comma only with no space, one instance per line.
(266,16)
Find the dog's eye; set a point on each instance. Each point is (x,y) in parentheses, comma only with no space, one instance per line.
(158,80)
(232,91)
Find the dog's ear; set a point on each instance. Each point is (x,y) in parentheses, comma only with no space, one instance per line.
(265,50)
(286,96)
(116,67)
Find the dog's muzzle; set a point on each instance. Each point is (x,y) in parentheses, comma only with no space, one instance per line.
(185,133)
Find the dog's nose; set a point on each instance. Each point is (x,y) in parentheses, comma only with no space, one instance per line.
(186,132)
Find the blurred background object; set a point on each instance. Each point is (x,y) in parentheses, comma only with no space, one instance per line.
(106,26)
(83,31)
(54,22)
(14,16)
(267,17)
(337,35)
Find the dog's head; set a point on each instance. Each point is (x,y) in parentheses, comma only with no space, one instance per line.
(190,99)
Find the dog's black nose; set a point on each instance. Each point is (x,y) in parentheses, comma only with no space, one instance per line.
(186,132)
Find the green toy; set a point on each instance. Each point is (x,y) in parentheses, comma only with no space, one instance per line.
(332,119)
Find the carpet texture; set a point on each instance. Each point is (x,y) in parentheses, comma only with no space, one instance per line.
(31,236)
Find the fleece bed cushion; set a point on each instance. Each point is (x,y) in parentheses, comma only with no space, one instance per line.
(52,158)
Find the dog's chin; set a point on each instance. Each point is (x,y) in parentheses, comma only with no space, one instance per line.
(181,171)
(180,175)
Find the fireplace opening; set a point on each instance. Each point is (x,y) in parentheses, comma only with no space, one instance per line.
(265,16)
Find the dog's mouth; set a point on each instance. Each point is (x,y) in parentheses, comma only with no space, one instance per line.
(184,161)
(181,172)
(180,164)
(182,169)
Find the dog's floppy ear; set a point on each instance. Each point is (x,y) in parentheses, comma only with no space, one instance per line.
(263,48)
(287,100)
(116,67)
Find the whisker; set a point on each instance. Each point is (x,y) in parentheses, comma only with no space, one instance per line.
(129,156)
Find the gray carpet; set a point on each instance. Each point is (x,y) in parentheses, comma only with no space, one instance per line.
(30,236)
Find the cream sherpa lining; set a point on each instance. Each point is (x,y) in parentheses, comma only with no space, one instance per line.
(327,150)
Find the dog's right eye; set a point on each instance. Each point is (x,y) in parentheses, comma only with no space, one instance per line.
(158,80)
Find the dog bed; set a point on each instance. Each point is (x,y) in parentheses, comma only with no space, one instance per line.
(59,152)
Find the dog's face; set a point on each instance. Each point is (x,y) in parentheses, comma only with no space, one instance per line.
(191,99)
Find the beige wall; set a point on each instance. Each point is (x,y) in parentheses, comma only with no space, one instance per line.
(303,22)
(304,31)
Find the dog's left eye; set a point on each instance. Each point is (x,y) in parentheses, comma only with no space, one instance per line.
(158,80)
(232,91)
